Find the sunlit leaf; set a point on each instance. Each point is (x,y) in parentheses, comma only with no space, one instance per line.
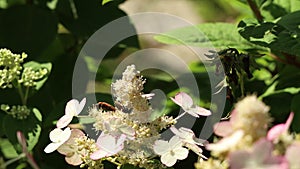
(218,35)
(7,149)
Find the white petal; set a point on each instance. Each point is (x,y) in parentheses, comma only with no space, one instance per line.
(64,121)
(175,142)
(161,147)
(54,135)
(71,107)
(80,106)
(65,135)
(51,147)
(181,153)
(168,160)
(227,142)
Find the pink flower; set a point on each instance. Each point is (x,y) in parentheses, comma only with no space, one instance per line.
(108,145)
(260,157)
(186,103)
(73,108)
(224,128)
(278,129)
(70,150)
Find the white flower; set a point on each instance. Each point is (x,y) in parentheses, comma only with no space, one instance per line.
(170,151)
(186,103)
(108,145)
(187,135)
(58,137)
(73,108)
(189,139)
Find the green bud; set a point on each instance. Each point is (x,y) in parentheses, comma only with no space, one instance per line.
(10,67)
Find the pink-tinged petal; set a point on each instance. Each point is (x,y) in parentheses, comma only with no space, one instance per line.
(71,107)
(223,128)
(183,100)
(233,116)
(98,155)
(278,129)
(262,150)
(64,121)
(74,160)
(292,154)
(289,121)
(109,145)
(192,112)
(202,111)
(276,162)
(238,159)
(120,140)
(68,147)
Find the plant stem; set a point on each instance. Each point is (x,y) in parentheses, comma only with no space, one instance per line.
(289,60)
(255,10)
(26,95)
(13,160)
(21,94)
(178,117)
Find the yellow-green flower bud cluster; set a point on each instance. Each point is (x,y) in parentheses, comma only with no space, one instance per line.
(10,67)
(29,76)
(18,112)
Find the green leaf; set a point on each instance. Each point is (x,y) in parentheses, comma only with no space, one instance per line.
(7,149)
(106,1)
(288,77)
(218,35)
(277,8)
(283,36)
(295,107)
(280,104)
(83,19)
(27,28)
(30,127)
(36,66)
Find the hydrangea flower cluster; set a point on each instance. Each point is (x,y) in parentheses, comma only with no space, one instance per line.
(10,67)
(13,73)
(247,143)
(129,135)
